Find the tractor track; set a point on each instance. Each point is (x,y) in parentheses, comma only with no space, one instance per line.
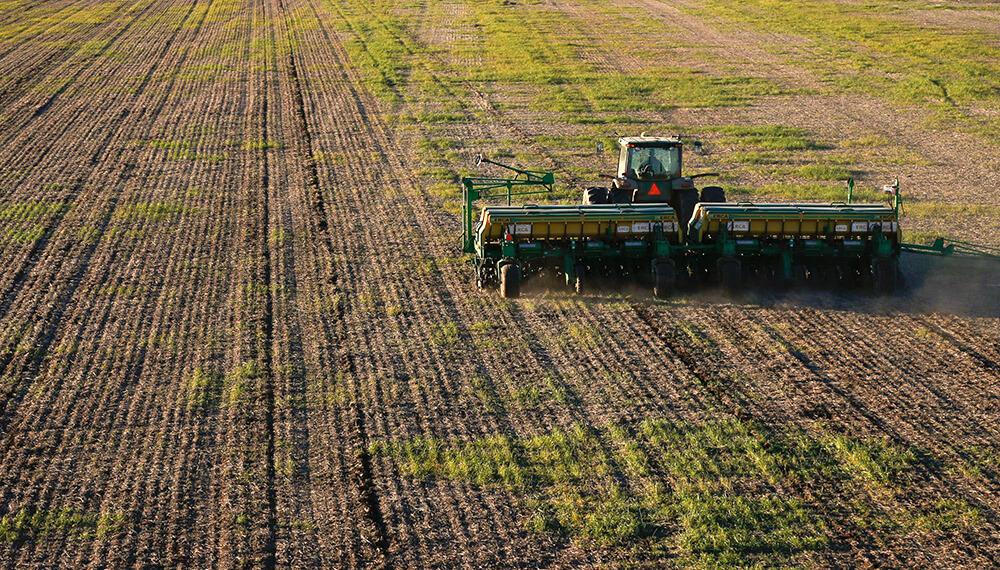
(362,464)
(270,540)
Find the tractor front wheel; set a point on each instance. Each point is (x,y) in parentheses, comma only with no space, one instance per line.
(664,277)
(510,281)
(595,195)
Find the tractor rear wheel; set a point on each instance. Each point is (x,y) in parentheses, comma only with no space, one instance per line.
(664,277)
(730,274)
(510,281)
(713,194)
(595,195)
(885,275)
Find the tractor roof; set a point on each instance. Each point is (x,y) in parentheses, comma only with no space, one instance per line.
(648,141)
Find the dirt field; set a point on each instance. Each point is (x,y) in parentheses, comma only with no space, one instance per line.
(236,327)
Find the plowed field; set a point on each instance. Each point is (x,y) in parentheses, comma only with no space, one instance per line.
(237,329)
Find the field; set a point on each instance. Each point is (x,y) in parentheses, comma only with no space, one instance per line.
(237,329)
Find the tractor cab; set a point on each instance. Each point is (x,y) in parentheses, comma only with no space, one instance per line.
(646,160)
(649,172)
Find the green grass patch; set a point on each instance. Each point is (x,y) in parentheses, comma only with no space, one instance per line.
(869,48)
(24,236)
(239,383)
(377,47)
(718,492)
(764,137)
(444,334)
(808,192)
(722,529)
(260,144)
(31,210)
(874,461)
(30,525)
(822,172)
(583,335)
(205,389)
(946,515)
(157,211)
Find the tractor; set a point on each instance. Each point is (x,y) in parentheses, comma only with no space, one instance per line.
(649,172)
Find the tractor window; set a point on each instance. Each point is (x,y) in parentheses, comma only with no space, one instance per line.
(654,162)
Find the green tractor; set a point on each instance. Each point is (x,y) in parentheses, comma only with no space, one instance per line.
(650,172)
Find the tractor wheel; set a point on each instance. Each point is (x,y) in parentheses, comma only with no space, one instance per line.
(713,194)
(579,278)
(595,195)
(620,196)
(730,274)
(885,275)
(664,277)
(688,200)
(510,281)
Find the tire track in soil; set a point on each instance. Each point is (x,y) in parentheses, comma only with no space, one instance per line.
(270,540)
(64,299)
(357,101)
(362,475)
(434,365)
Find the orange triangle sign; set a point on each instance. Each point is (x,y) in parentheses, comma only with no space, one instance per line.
(654,190)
